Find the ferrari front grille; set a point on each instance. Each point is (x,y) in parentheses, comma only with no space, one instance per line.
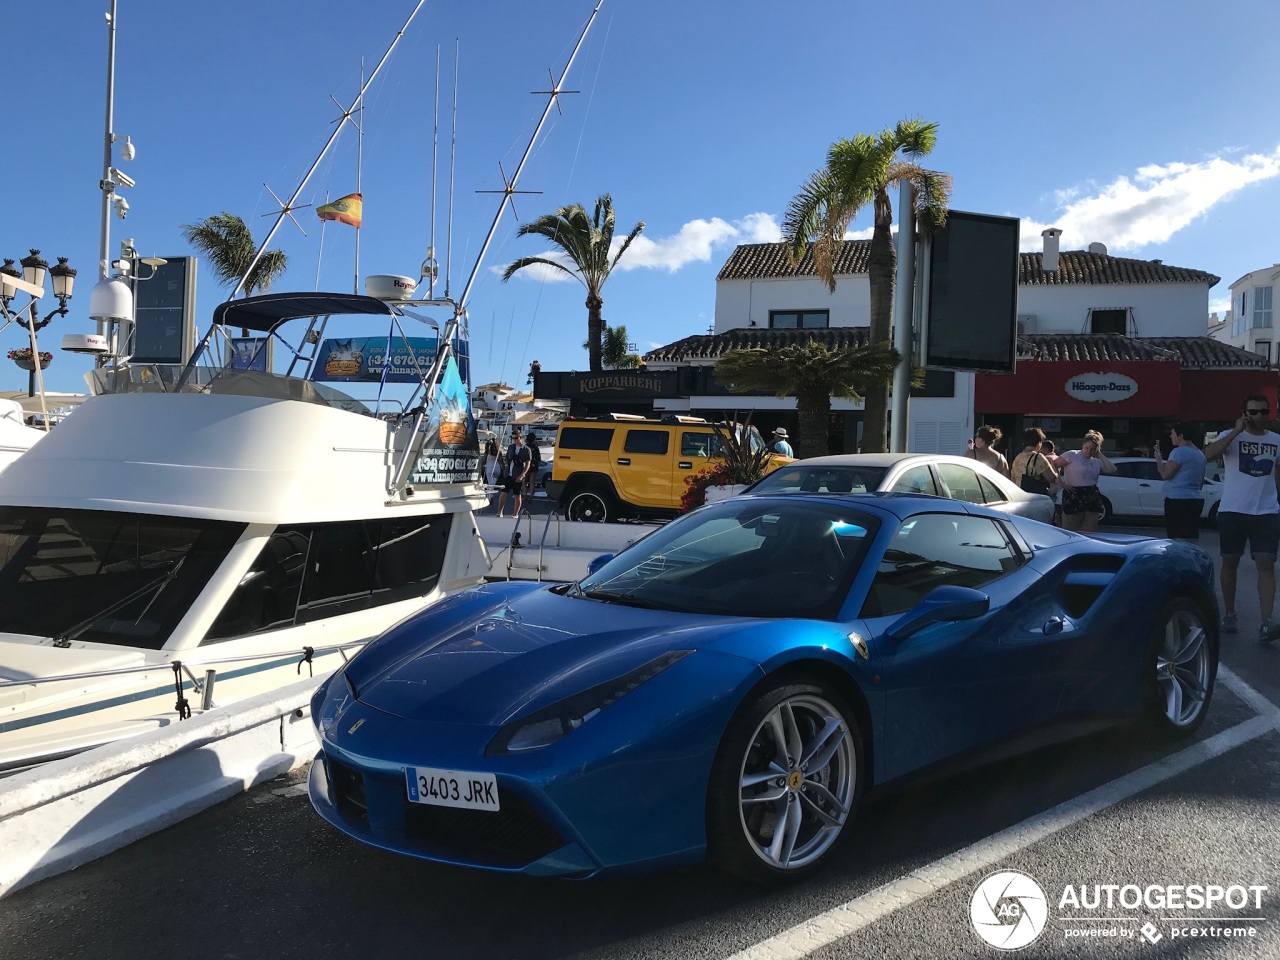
(514,836)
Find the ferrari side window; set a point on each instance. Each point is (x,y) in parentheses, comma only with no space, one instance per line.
(934,550)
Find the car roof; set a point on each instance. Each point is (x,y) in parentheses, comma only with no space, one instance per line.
(900,505)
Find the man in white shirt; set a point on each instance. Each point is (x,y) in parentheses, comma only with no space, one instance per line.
(1249,512)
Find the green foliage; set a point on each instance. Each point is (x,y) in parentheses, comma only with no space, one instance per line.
(737,460)
(229,247)
(585,246)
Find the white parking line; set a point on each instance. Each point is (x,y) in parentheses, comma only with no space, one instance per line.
(848,918)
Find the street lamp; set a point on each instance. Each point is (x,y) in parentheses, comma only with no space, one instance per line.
(31,281)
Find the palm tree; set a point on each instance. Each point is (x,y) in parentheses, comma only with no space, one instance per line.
(813,374)
(229,245)
(613,349)
(585,243)
(858,172)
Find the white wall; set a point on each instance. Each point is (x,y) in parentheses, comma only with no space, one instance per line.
(1260,340)
(1159,310)
(738,302)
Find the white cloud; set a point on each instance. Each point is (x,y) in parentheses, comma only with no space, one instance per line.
(862,234)
(1153,205)
(1221,306)
(695,242)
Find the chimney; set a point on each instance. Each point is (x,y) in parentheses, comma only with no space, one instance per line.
(1049,261)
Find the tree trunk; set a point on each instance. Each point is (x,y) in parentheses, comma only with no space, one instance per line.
(595,330)
(882,266)
(813,414)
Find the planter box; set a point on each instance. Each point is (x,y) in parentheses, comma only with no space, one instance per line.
(724,493)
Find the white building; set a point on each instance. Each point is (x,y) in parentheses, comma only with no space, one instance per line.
(1250,322)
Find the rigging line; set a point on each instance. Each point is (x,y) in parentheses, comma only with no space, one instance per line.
(453,152)
(582,131)
(355,281)
(552,101)
(435,154)
(320,252)
(329,143)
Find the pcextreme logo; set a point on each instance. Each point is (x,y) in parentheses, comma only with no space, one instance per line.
(1008,910)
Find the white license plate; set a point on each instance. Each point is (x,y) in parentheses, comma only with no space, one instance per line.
(452,788)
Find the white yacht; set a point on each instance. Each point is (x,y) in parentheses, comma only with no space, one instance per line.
(16,438)
(197,534)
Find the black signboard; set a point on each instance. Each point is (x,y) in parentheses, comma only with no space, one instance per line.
(972,315)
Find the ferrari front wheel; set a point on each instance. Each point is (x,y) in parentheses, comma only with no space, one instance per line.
(785,782)
(1183,664)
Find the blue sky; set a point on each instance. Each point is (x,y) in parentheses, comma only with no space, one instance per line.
(1151,129)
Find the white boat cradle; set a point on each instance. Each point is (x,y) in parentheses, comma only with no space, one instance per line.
(208,518)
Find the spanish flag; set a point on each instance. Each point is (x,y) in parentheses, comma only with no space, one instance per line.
(346,209)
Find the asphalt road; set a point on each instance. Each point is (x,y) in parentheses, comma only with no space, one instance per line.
(262,876)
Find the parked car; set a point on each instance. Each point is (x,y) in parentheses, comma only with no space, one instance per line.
(623,465)
(731,685)
(939,475)
(1136,490)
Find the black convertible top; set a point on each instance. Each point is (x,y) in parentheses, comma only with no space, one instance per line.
(264,313)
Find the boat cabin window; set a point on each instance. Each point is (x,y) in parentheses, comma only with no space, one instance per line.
(104,577)
(308,572)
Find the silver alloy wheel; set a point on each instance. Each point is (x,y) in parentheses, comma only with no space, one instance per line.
(587,506)
(797,782)
(1183,667)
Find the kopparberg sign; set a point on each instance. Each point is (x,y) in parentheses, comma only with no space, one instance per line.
(1101,387)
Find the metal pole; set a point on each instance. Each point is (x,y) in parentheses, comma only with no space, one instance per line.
(107,187)
(903,311)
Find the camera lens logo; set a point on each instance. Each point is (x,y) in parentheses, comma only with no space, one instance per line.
(1008,910)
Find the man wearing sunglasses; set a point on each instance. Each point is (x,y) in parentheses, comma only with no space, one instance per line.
(1250,509)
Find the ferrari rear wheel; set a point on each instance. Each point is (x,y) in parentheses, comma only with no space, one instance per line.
(1183,661)
(785,784)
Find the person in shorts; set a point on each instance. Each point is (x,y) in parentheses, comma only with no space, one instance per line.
(1183,475)
(1249,512)
(512,482)
(1081,501)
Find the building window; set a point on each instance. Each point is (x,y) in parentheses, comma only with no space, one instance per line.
(1263,349)
(1109,321)
(799,319)
(1262,307)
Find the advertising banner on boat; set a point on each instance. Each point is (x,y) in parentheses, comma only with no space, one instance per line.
(363,359)
(451,452)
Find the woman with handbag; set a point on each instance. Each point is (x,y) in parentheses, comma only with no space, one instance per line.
(1031,470)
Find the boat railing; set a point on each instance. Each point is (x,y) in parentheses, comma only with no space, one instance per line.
(165,378)
(306,655)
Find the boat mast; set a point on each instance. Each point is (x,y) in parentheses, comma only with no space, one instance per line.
(429,266)
(288,207)
(355,282)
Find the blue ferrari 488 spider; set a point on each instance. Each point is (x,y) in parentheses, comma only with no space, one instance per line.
(729,686)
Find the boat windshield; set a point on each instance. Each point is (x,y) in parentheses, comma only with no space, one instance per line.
(65,573)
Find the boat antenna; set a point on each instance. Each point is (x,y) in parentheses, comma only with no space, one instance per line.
(429,266)
(453,152)
(287,207)
(509,186)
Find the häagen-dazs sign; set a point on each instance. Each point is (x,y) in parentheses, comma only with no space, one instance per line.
(1102,387)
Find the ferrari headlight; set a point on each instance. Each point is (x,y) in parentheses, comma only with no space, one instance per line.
(549,724)
(330,700)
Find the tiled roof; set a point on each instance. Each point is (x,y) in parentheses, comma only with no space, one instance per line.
(761,261)
(713,346)
(1089,346)
(1190,352)
(1208,352)
(1080,266)
(765,261)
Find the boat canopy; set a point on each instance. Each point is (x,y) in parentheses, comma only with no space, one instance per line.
(265,313)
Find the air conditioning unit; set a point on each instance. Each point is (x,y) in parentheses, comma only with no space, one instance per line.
(1026,323)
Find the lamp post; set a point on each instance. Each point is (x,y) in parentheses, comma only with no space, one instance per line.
(31,281)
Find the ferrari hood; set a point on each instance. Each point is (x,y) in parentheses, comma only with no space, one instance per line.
(506,651)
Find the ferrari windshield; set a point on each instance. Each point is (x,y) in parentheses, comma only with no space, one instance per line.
(743,557)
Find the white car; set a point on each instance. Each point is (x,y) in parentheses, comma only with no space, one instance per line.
(1136,490)
(940,475)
